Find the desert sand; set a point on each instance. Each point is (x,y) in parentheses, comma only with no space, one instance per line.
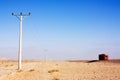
(60,70)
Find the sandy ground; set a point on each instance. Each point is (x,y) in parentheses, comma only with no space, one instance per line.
(60,70)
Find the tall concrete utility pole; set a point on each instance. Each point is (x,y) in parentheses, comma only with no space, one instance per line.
(19,16)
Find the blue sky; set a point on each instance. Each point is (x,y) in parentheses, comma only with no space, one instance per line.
(61,29)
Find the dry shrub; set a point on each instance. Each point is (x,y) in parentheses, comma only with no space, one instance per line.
(11,65)
(56,64)
(53,70)
(6,65)
(55,78)
(20,70)
(31,70)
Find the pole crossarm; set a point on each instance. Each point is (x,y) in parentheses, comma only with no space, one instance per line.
(19,16)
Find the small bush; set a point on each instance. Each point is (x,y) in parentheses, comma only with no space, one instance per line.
(6,65)
(56,64)
(31,70)
(55,78)
(20,71)
(53,70)
(11,65)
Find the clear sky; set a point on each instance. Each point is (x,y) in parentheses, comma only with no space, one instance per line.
(61,29)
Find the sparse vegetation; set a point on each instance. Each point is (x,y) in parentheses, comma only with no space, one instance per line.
(31,70)
(64,70)
(20,70)
(11,65)
(53,70)
(56,64)
(6,65)
(55,78)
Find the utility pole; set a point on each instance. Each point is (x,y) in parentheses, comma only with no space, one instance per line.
(20,16)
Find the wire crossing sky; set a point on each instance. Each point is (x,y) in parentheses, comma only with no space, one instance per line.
(61,29)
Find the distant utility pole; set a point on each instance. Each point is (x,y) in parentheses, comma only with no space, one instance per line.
(19,16)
